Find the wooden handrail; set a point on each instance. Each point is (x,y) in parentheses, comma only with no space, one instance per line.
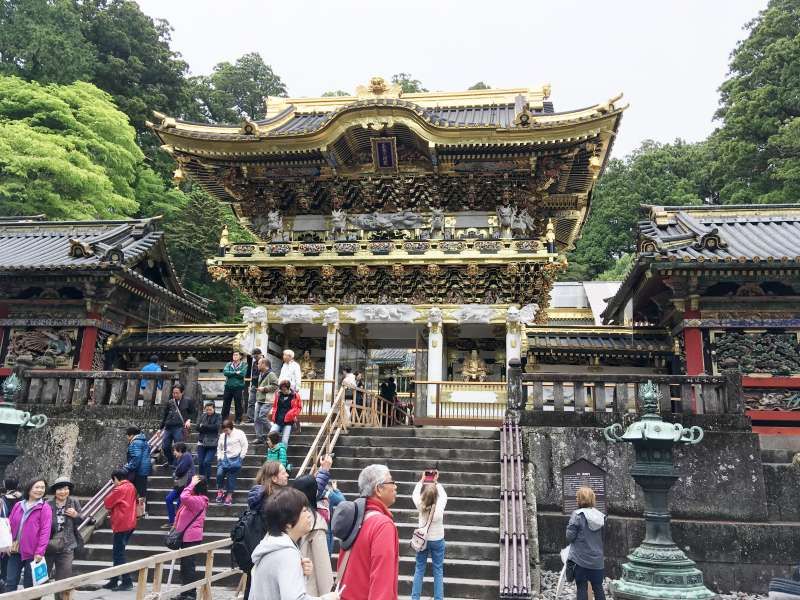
(142,566)
(327,436)
(95,503)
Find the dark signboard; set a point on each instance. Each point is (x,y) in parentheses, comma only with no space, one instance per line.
(384,153)
(582,473)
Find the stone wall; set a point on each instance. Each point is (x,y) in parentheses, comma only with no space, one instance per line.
(726,504)
(84,443)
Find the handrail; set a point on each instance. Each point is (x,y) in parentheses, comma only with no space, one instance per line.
(459,383)
(156,562)
(329,431)
(515,579)
(95,503)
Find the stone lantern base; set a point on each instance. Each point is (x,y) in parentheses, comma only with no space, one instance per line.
(660,572)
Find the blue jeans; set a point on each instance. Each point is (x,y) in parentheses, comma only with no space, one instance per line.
(436,549)
(17,567)
(205,456)
(171,434)
(121,540)
(286,433)
(230,474)
(585,576)
(261,421)
(173,500)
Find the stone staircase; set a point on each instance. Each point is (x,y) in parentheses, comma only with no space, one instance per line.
(469,463)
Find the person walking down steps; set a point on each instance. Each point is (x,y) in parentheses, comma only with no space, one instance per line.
(231,450)
(585,538)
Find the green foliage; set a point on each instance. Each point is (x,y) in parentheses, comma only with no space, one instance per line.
(41,41)
(134,61)
(480,86)
(407,84)
(65,151)
(193,237)
(333,93)
(619,270)
(662,174)
(756,148)
(234,90)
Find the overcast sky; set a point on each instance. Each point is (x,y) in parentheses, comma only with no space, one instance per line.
(667,57)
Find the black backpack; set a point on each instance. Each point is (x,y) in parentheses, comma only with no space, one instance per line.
(246,535)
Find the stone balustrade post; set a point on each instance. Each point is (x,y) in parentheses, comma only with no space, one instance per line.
(190,378)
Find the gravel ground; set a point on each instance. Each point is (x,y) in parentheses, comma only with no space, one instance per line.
(550,580)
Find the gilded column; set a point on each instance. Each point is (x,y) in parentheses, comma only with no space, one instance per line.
(513,335)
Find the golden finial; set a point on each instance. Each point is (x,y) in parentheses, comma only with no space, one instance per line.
(550,235)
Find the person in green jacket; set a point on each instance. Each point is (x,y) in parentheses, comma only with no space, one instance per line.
(234,372)
(276,449)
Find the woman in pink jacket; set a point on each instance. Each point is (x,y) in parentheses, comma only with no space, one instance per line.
(30,520)
(190,519)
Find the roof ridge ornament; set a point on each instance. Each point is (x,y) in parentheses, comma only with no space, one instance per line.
(378,88)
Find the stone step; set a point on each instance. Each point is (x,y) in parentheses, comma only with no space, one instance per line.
(155,498)
(462,558)
(221,526)
(162,485)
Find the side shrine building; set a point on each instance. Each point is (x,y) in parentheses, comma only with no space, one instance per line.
(413,235)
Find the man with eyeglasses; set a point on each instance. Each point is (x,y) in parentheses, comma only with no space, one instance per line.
(371,567)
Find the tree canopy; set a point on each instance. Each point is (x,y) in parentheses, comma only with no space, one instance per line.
(65,151)
(757,148)
(480,86)
(234,90)
(664,174)
(407,84)
(333,93)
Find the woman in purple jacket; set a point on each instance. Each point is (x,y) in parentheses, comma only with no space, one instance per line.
(31,520)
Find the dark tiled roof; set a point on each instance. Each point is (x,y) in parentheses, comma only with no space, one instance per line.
(494,115)
(701,234)
(30,244)
(26,245)
(177,341)
(599,342)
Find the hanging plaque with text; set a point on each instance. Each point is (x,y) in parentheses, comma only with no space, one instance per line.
(579,474)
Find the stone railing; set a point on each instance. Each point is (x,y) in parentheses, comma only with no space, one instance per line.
(103,388)
(619,393)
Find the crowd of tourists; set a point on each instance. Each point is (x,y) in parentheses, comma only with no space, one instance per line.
(284,539)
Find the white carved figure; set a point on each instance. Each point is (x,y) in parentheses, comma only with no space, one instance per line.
(437,222)
(512,315)
(384,313)
(527,314)
(252,314)
(435,316)
(474,313)
(297,313)
(330,316)
(338,224)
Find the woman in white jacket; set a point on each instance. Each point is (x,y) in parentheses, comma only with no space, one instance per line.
(279,571)
(430,499)
(231,450)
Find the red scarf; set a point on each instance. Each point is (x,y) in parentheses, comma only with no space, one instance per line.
(378,506)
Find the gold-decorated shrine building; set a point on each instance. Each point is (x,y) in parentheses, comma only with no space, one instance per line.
(432,222)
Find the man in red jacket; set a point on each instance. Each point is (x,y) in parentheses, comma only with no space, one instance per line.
(373,565)
(121,506)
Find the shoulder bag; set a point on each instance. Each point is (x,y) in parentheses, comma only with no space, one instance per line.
(419,539)
(229,463)
(174,538)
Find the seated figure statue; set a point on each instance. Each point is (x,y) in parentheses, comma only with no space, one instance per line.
(307,366)
(474,368)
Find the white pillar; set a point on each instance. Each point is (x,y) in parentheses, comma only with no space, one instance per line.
(256,334)
(513,335)
(332,347)
(435,357)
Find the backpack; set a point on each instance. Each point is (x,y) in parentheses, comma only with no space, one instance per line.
(248,532)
